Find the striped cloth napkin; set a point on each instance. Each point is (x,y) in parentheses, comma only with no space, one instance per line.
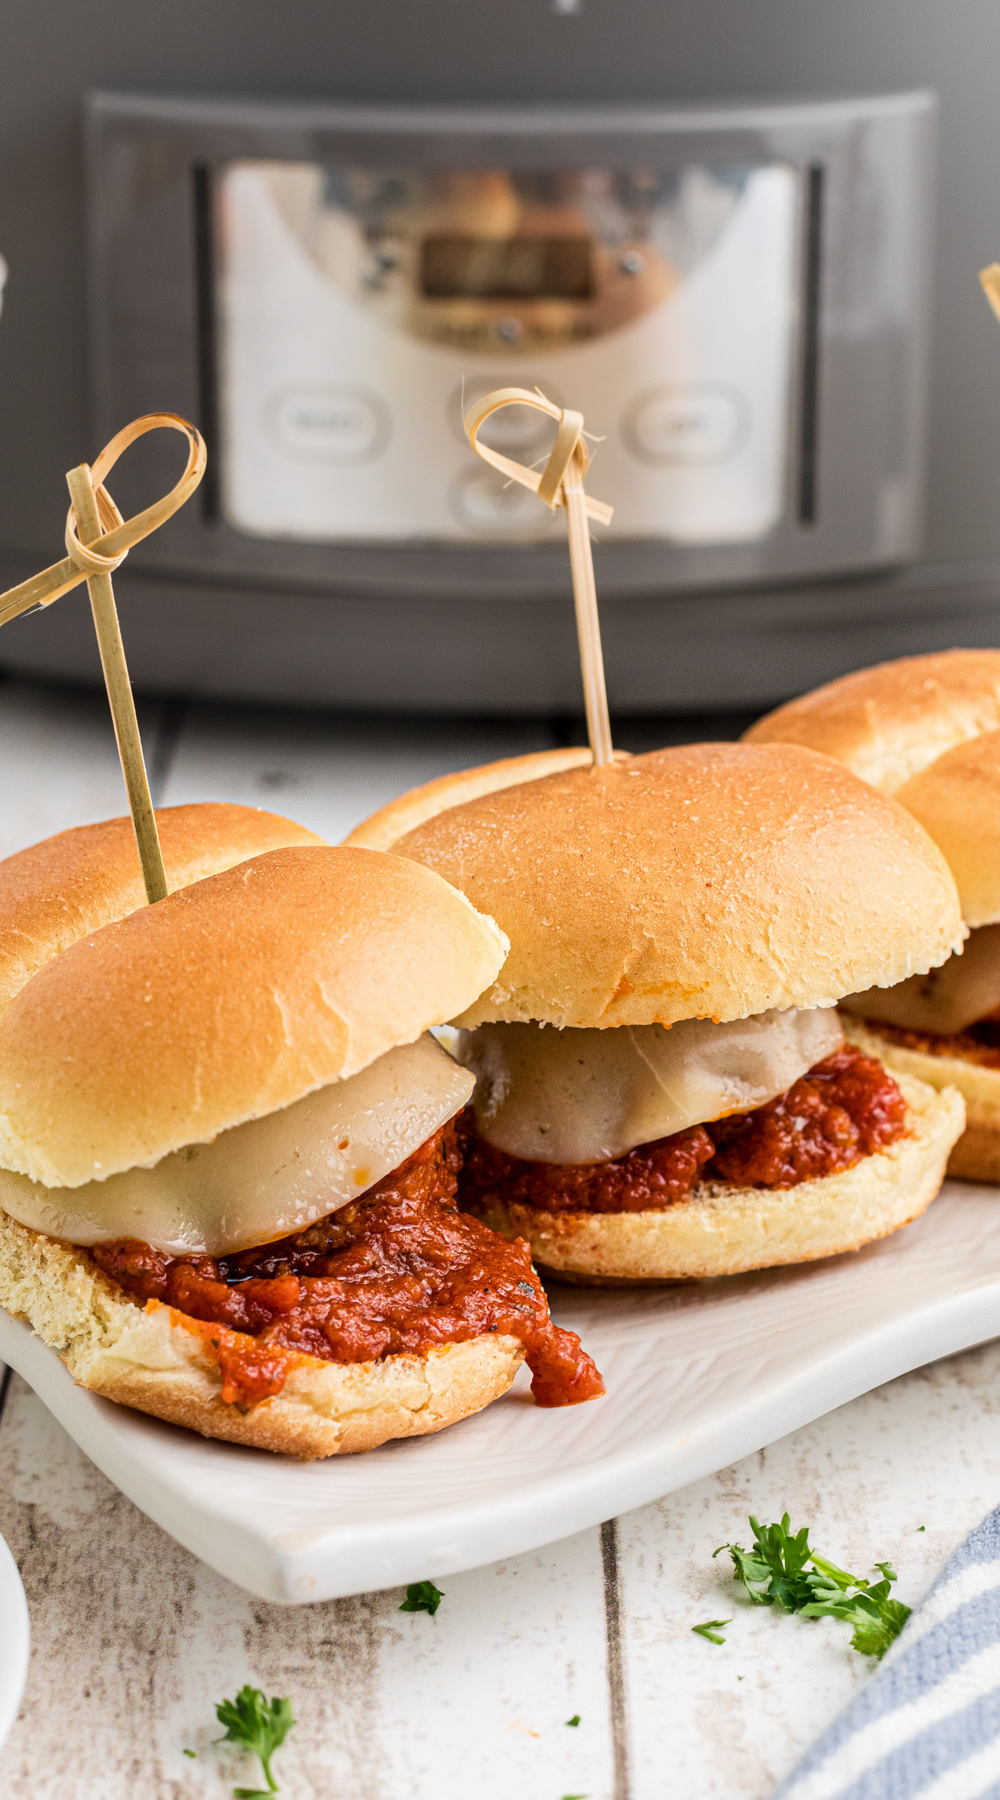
(927,1725)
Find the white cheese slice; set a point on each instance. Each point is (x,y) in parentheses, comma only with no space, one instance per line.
(267,1178)
(585,1096)
(963,990)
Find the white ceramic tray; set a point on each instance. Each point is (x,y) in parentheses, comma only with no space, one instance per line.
(697,1377)
(14,1640)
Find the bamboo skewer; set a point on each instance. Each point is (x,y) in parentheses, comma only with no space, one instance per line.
(989,279)
(106,540)
(120,697)
(561,484)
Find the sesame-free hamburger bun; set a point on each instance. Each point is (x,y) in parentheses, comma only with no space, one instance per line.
(888,722)
(228,1001)
(708,882)
(384,828)
(925,728)
(69,885)
(159,1073)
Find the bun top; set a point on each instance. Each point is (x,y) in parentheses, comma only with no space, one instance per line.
(887,723)
(385,827)
(708,881)
(957,800)
(70,885)
(227,1000)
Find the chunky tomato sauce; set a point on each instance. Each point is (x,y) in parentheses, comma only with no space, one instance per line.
(844,1109)
(399,1269)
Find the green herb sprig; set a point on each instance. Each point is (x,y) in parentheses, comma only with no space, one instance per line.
(422,1596)
(258,1725)
(711,1628)
(782,1570)
(867,1606)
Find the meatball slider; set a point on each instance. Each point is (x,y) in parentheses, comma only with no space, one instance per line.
(663,1088)
(927,729)
(227,1156)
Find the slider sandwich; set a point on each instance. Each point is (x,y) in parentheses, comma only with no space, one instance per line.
(228,1156)
(663,1087)
(927,730)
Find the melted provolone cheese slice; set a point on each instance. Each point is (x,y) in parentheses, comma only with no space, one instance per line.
(963,990)
(267,1178)
(585,1096)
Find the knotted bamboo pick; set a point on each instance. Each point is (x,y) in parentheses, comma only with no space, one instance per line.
(989,279)
(94,514)
(561,484)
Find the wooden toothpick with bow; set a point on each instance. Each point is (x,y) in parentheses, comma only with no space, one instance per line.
(97,541)
(560,483)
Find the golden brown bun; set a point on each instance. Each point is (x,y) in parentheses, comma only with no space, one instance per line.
(385,827)
(976,1156)
(708,881)
(228,1000)
(151,1360)
(957,800)
(726,1230)
(888,722)
(70,885)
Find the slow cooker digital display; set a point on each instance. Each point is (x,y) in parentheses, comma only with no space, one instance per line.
(456,265)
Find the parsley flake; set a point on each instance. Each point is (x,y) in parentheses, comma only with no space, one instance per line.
(422,1596)
(710,1629)
(575,1720)
(193,1754)
(260,1726)
(781,1570)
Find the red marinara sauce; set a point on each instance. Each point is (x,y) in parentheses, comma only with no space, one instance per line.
(400,1269)
(844,1109)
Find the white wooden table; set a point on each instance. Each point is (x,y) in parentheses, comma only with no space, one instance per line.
(134,1641)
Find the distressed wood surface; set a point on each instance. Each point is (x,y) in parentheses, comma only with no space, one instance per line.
(134,1640)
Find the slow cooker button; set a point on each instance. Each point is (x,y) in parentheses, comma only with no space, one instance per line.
(686,424)
(342,425)
(484,502)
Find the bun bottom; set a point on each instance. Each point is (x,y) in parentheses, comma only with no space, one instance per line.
(727,1230)
(151,1359)
(976,1156)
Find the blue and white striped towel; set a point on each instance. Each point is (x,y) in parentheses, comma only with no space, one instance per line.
(927,1726)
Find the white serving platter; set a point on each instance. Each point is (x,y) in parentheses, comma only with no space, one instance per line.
(697,1377)
(15,1640)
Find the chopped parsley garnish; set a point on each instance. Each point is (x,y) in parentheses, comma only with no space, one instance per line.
(575,1720)
(876,1619)
(781,1570)
(260,1726)
(710,1629)
(774,1572)
(422,1596)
